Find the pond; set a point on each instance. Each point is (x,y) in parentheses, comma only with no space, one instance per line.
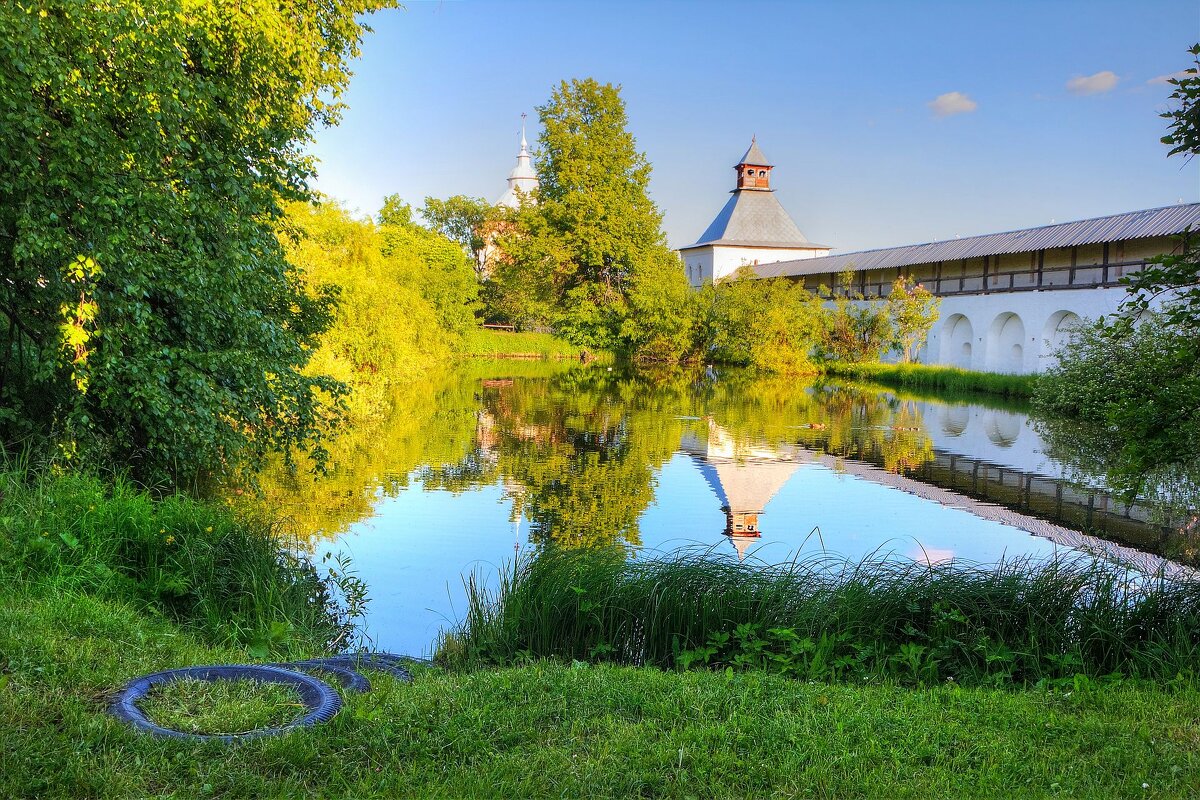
(496,459)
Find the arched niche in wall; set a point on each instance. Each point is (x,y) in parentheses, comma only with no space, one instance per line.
(1006,344)
(958,340)
(1057,333)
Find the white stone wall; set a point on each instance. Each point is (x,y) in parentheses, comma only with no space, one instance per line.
(1015,332)
(712,263)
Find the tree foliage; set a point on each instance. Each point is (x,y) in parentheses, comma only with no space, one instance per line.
(1138,385)
(1135,378)
(853,329)
(771,325)
(404,298)
(145,301)
(1183,134)
(1175,277)
(912,311)
(465,221)
(572,260)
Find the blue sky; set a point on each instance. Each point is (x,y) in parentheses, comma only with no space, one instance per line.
(1049,109)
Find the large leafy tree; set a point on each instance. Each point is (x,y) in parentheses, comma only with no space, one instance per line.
(581,247)
(1135,377)
(145,301)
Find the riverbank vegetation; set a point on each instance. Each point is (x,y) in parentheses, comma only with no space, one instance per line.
(942,379)
(485,343)
(1020,623)
(552,729)
(228,578)
(1123,399)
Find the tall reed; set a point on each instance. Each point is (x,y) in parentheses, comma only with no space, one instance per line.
(949,379)
(1017,621)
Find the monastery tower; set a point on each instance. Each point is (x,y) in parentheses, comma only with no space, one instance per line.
(753,228)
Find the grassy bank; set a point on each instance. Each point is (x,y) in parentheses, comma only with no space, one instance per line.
(555,730)
(949,379)
(100,583)
(230,578)
(1015,624)
(503,344)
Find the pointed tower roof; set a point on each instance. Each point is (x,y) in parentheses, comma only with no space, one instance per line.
(754,217)
(754,155)
(523,177)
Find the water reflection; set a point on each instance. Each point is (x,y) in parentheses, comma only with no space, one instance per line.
(478,462)
(578,452)
(745,476)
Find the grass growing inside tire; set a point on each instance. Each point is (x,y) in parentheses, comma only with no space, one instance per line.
(221,707)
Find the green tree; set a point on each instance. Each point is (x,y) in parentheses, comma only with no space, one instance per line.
(146,302)
(853,329)
(772,325)
(385,332)
(661,326)
(1138,386)
(577,253)
(433,265)
(1135,377)
(465,221)
(912,310)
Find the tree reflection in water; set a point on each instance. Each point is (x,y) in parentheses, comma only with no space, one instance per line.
(578,448)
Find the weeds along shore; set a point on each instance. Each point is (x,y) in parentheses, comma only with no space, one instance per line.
(944,379)
(231,578)
(1020,622)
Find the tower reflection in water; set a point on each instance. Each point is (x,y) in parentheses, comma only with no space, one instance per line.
(745,476)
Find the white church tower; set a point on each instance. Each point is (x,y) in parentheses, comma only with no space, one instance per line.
(523,179)
(752,228)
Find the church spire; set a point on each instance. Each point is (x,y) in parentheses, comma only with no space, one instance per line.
(523,179)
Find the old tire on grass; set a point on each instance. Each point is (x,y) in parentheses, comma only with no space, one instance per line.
(350,680)
(380,662)
(321,700)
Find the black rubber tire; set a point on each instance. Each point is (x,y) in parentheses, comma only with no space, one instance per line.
(350,680)
(380,662)
(321,699)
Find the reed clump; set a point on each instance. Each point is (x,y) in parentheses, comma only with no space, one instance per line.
(1019,622)
(947,379)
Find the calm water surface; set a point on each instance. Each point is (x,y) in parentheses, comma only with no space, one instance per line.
(497,459)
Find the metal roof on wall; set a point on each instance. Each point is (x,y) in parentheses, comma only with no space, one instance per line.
(1118,227)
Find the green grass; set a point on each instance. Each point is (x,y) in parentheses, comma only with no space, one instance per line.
(103,597)
(1017,623)
(231,577)
(549,730)
(502,344)
(950,379)
(221,707)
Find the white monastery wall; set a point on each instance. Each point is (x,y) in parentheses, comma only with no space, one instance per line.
(709,264)
(1014,332)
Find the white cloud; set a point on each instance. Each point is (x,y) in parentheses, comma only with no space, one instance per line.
(1093,84)
(1165,78)
(952,103)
